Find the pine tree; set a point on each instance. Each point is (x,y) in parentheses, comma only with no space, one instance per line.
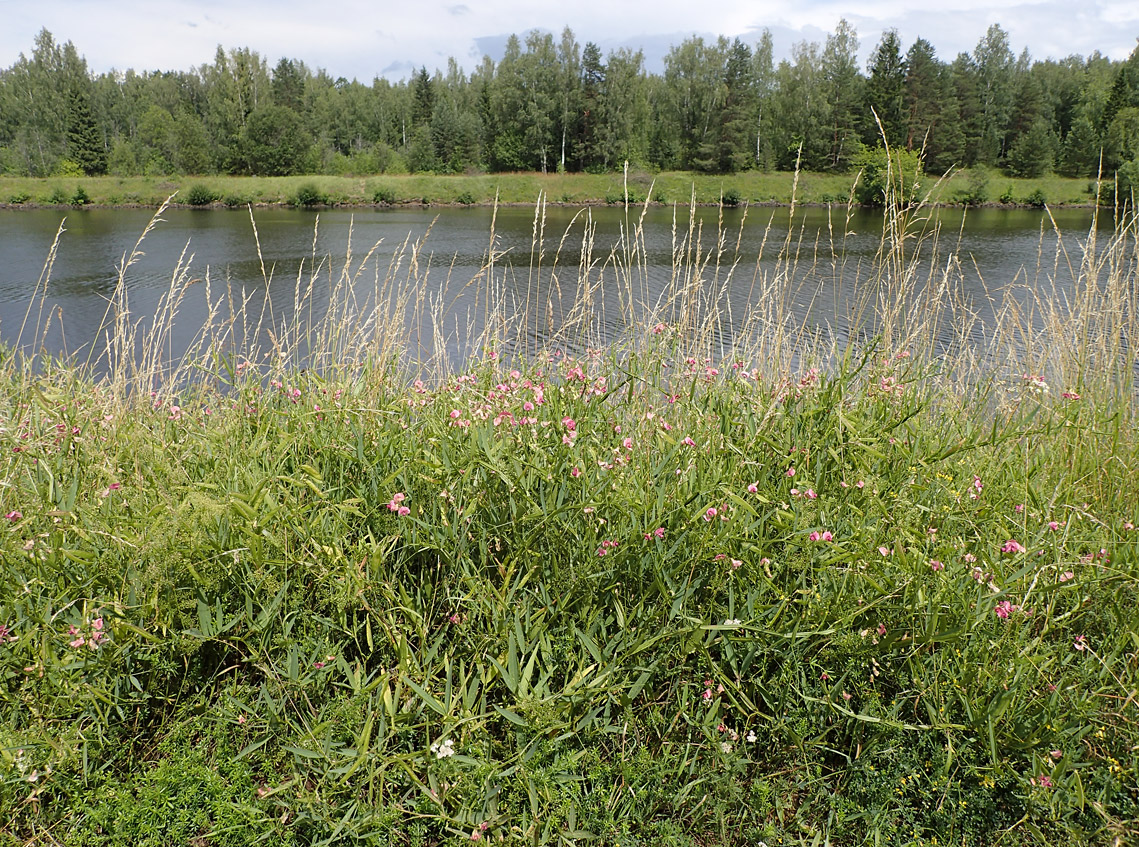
(885,92)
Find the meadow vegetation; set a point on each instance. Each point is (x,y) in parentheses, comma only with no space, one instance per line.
(657,592)
(974,187)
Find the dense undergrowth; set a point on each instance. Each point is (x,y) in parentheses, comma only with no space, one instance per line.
(640,596)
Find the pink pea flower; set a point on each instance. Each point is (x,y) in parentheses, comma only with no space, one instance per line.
(575,473)
(935,565)
(1053,526)
(881,629)
(1012,546)
(1066,576)
(885,551)
(753,488)
(1081,643)
(1003,609)
(14,515)
(790,472)
(710,513)
(627,443)
(688,442)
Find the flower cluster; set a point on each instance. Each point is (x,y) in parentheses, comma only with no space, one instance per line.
(443,748)
(396,504)
(96,636)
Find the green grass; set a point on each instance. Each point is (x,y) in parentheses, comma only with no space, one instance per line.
(640,596)
(520,188)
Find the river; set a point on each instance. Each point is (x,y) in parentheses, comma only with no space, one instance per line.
(362,255)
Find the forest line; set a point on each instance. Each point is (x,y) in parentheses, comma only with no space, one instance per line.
(552,104)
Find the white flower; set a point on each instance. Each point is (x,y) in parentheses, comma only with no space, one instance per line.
(751,737)
(443,748)
(732,622)
(725,746)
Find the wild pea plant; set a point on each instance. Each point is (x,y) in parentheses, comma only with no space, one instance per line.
(638,595)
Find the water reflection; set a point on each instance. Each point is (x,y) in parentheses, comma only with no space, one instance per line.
(577,276)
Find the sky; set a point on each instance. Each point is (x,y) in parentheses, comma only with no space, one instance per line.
(363,39)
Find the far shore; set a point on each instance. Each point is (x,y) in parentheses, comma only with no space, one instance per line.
(750,188)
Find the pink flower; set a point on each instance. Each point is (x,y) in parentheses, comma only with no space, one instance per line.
(1053,526)
(569,424)
(753,488)
(814,536)
(790,472)
(627,443)
(1003,609)
(1057,754)
(14,515)
(1067,575)
(688,442)
(1012,546)
(969,557)
(885,551)
(935,565)
(575,473)
(860,484)
(1081,643)
(403,511)
(710,513)
(881,629)
(397,498)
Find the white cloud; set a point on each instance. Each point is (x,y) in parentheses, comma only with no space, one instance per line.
(363,38)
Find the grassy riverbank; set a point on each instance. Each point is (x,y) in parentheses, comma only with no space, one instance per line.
(657,595)
(580,188)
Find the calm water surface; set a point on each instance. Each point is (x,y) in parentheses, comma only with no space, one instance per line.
(832,260)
